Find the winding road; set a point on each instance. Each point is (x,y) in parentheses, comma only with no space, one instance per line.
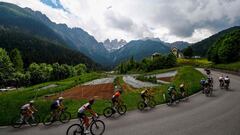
(200,115)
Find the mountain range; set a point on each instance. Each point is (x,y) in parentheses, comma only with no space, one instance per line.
(108,54)
(113,45)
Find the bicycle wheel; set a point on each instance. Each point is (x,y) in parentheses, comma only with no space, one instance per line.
(75,129)
(16,122)
(65,117)
(141,105)
(108,112)
(48,120)
(97,127)
(122,109)
(151,103)
(34,121)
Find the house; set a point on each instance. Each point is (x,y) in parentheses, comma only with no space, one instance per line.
(177,52)
(155,55)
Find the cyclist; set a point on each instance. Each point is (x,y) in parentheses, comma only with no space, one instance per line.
(221,81)
(210,81)
(227,80)
(27,110)
(208,71)
(182,90)
(144,95)
(116,99)
(202,82)
(83,116)
(172,93)
(56,106)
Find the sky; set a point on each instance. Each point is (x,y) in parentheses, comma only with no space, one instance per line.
(169,20)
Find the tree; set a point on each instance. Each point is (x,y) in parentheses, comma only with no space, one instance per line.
(171,61)
(40,72)
(6,68)
(80,69)
(226,49)
(188,52)
(17,61)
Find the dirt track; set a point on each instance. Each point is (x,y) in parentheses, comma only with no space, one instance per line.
(99,91)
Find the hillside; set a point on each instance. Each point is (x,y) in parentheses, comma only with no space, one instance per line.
(36,49)
(139,49)
(226,49)
(201,48)
(35,23)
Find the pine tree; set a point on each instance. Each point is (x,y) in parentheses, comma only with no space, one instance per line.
(17,61)
(6,68)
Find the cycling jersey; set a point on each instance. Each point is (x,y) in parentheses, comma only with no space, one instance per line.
(220,78)
(26,107)
(117,94)
(202,82)
(227,80)
(55,104)
(170,90)
(84,108)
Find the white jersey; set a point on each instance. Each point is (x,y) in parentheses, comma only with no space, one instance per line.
(226,79)
(84,108)
(26,106)
(58,102)
(220,78)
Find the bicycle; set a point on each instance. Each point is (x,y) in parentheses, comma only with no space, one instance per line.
(226,86)
(172,99)
(208,91)
(97,127)
(221,84)
(150,103)
(121,109)
(33,120)
(62,116)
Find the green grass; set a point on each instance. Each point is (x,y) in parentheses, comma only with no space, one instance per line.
(187,75)
(11,102)
(194,62)
(232,66)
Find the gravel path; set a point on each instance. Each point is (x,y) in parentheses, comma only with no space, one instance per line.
(168,74)
(136,83)
(130,80)
(100,81)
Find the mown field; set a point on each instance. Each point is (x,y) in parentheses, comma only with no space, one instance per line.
(194,62)
(232,66)
(12,101)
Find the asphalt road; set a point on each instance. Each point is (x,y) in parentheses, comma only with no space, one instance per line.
(200,115)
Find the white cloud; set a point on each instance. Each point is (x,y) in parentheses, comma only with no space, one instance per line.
(188,20)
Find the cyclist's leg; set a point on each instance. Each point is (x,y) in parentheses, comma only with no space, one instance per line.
(114,102)
(86,121)
(23,115)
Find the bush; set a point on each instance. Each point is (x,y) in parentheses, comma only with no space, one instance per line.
(148,64)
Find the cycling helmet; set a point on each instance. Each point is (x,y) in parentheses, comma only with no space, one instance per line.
(91,101)
(60,98)
(182,85)
(31,102)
